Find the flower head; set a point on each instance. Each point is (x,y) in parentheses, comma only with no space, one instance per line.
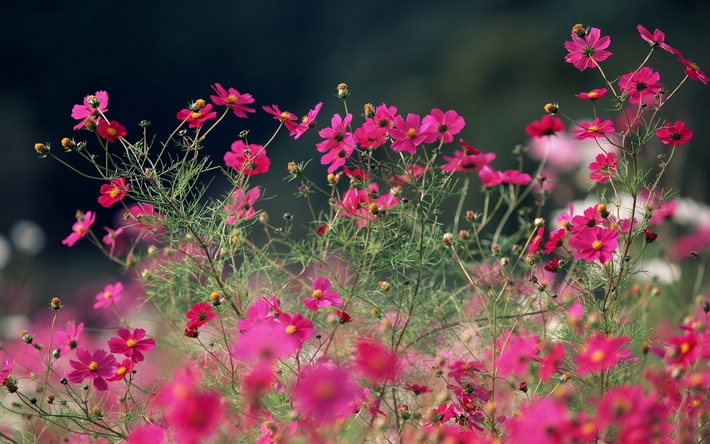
(110,130)
(288,119)
(248,159)
(674,134)
(409,134)
(693,71)
(656,40)
(445,124)
(376,361)
(603,167)
(597,128)
(121,369)
(242,206)
(547,126)
(80,228)
(131,344)
(233,99)
(322,295)
(640,84)
(592,95)
(325,392)
(96,366)
(68,339)
(110,295)
(594,244)
(91,109)
(600,352)
(586,51)
(199,315)
(113,192)
(307,122)
(339,143)
(196,115)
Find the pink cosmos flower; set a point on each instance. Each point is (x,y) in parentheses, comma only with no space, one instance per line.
(374,131)
(446,124)
(409,134)
(490,177)
(91,109)
(96,366)
(603,167)
(466,163)
(307,122)
(289,120)
(322,295)
(67,340)
(113,192)
(258,312)
(265,342)
(515,177)
(296,326)
(145,216)
(80,228)
(636,416)
(147,434)
(600,352)
(200,314)
(585,52)
(376,361)
(674,134)
(110,295)
(656,40)
(516,351)
(597,128)
(543,420)
(547,126)
(555,241)
(595,244)
(640,84)
(355,204)
(693,71)
(589,218)
(592,95)
(195,415)
(121,369)
(324,392)
(110,130)
(131,344)
(7,366)
(197,116)
(552,361)
(338,144)
(247,159)
(242,206)
(233,99)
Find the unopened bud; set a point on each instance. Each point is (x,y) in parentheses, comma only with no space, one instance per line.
(343,90)
(41,149)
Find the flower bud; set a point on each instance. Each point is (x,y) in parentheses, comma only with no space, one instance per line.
(579,30)
(293,168)
(551,108)
(369,110)
(55,304)
(343,90)
(41,149)
(68,144)
(215,298)
(448,239)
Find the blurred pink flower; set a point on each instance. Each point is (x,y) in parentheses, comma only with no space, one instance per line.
(80,228)
(110,295)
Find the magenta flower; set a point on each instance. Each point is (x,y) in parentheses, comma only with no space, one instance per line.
(600,352)
(307,122)
(338,144)
(67,340)
(594,244)
(91,109)
(257,313)
(197,116)
(233,99)
(131,344)
(110,130)
(110,295)
(674,134)
(80,228)
(121,370)
(242,206)
(247,159)
(374,131)
(656,40)
(113,192)
(592,95)
(376,361)
(96,366)
(322,295)
(547,126)
(515,177)
(693,71)
(603,167)
(409,134)
(296,326)
(585,52)
(489,176)
(265,342)
(597,128)
(7,365)
(147,434)
(640,84)
(555,241)
(199,315)
(447,124)
(324,392)
(355,204)
(288,119)
(589,218)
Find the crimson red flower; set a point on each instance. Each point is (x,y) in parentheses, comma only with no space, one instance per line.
(674,134)
(556,240)
(131,344)
(96,366)
(417,389)
(640,84)
(468,148)
(199,315)
(553,265)
(592,95)
(594,129)
(343,316)
(649,235)
(113,192)
(656,40)
(233,99)
(547,126)
(585,52)
(196,116)
(110,130)
(693,71)
(603,167)
(595,244)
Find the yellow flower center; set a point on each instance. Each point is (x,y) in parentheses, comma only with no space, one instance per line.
(131,343)
(317,294)
(598,355)
(114,192)
(592,94)
(108,294)
(93,366)
(291,329)
(195,114)
(232,99)
(593,129)
(121,371)
(111,132)
(286,115)
(411,133)
(597,245)
(684,348)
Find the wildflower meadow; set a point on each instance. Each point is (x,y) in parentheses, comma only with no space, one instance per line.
(412,291)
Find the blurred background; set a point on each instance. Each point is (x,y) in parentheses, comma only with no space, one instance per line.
(495,62)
